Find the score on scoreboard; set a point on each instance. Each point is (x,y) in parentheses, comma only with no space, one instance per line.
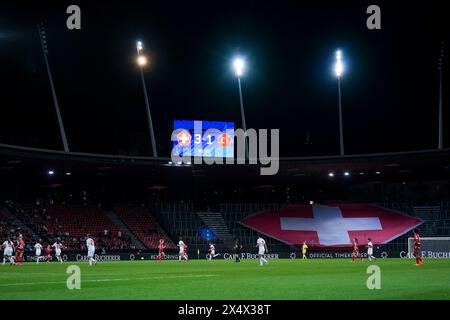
(198,138)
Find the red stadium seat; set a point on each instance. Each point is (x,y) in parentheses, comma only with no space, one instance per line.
(143,225)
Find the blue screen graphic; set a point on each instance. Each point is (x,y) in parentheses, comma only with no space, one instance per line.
(203,138)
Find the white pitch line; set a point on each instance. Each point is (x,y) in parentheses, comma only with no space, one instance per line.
(108,280)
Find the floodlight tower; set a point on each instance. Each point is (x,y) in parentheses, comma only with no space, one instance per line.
(43,38)
(142,62)
(239,68)
(441,58)
(339,70)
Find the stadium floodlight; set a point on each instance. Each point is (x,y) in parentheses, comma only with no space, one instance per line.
(238,66)
(51,172)
(331,174)
(68,173)
(139,46)
(44,45)
(339,70)
(346,173)
(142,61)
(339,66)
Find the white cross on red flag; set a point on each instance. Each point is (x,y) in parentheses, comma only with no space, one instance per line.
(332,225)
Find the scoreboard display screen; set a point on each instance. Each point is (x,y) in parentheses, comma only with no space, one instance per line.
(199,138)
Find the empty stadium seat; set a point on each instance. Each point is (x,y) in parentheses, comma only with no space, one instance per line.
(143,225)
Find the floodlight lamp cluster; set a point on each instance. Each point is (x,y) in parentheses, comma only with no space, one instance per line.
(339,66)
(238,66)
(141,59)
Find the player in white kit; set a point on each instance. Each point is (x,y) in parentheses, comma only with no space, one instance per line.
(212,252)
(262,250)
(370,250)
(58,247)
(38,250)
(90,245)
(182,248)
(8,252)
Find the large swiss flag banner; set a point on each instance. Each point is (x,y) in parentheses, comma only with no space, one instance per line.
(332,225)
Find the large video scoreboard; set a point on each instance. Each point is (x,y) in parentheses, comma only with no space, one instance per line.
(199,138)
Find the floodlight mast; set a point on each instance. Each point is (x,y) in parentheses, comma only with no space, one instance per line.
(142,62)
(441,58)
(339,70)
(43,38)
(239,68)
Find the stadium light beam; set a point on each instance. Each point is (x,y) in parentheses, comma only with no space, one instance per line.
(239,67)
(142,61)
(339,70)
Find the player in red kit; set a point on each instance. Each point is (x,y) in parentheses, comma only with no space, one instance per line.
(356,250)
(48,252)
(161,247)
(19,250)
(185,255)
(417,254)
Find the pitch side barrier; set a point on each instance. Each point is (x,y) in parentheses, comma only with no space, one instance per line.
(313,254)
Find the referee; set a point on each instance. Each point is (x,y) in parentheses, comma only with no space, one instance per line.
(237,250)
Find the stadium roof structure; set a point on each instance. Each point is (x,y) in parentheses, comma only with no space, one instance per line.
(427,165)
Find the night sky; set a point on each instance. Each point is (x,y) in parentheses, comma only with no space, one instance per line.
(389,88)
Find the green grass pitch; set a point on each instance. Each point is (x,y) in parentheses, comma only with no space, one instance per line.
(225,279)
